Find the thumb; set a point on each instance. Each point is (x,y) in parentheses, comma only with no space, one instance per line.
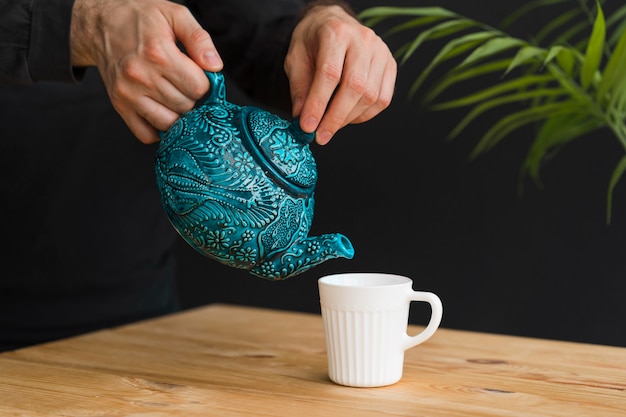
(197,42)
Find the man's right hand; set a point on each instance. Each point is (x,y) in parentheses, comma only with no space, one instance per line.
(133,43)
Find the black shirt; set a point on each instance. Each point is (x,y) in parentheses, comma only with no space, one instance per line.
(86,241)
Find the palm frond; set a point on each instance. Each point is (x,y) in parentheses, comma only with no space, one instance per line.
(556,131)
(497,102)
(554,28)
(593,53)
(458,75)
(441,30)
(526,9)
(451,50)
(617,24)
(567,81)
(495,90)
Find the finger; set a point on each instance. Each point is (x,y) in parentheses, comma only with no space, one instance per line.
(372,103)
(176,100)
(149,110)
(196,41)
(300,73)
(355,82)
(142,130)
(187,73)
(328,72)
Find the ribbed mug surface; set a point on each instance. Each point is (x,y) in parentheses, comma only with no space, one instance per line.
(365,323)
(363,346)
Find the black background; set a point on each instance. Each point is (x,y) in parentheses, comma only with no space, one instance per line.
(541,264)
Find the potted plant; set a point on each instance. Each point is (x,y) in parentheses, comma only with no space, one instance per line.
(568,81)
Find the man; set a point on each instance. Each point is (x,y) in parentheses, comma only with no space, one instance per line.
(88,244)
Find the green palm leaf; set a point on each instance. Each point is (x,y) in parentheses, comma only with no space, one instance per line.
(528,8)
(441,30)
(495,90)
(452,49)
(458,75)
(554,27)
(556,131)
(613,73)
(514,121)
(617,23)
(378,13)
(595,48)
(518,97)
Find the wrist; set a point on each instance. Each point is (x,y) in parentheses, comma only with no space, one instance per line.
(326,3)
(80,33)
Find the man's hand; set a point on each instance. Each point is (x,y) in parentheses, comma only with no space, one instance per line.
(340,72)
(150,81)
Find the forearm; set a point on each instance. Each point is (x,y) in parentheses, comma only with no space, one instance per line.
(35,41)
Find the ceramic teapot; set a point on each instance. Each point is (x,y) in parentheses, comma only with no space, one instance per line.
(237,183)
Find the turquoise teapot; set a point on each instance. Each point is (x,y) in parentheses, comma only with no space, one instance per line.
(237,183)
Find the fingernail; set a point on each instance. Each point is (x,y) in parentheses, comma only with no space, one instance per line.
(309,124)
(324,137)
(212,59)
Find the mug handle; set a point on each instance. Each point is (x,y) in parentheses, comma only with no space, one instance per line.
(435,318)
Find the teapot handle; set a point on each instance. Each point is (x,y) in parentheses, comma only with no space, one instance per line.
(216,94)
(217,91)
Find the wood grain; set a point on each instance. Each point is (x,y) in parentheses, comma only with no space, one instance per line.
(224,360)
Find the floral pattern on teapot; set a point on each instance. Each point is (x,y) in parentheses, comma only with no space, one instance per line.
(238,183)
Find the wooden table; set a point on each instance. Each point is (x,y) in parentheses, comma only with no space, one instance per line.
(224,360)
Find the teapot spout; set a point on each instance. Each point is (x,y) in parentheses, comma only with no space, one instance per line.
(305,254)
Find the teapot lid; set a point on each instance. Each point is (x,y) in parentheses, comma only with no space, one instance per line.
(281,148)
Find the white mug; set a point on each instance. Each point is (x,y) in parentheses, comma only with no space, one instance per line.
(365,323)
